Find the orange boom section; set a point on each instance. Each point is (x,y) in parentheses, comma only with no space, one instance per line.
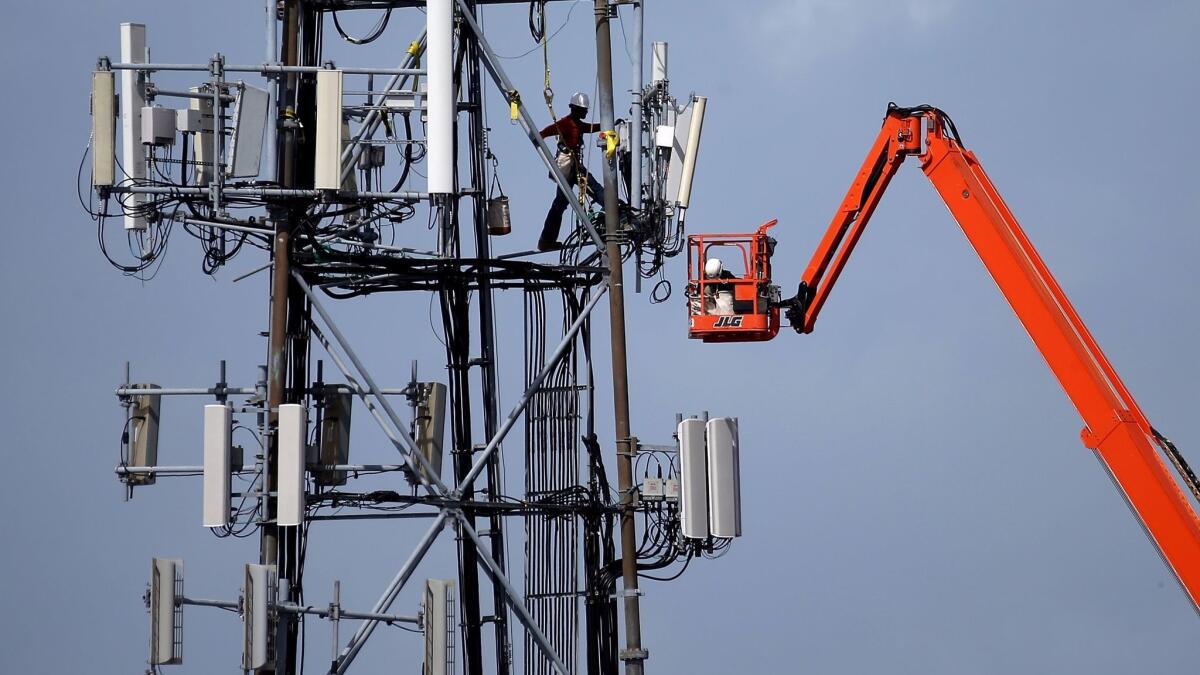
(1134,453)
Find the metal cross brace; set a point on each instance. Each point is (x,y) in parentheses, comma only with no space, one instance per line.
(491,567)
(399,436)
(492,63)
(352,151)
(390,593)
(493,570)
(560,351)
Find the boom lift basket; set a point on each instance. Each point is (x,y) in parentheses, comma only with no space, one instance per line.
(728,307)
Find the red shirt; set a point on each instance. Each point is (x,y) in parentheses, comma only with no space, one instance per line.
(570,131)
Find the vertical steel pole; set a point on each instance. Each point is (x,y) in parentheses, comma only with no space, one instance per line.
(335,617)
(635,131)
(269,160)
(487,340)
(277,357)
(444,185)
(633,654)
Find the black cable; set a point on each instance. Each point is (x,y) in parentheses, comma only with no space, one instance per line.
(78,177)
(376,32)
(686,561)
(926,108)
(121,459)
(1181,465)
(657,296)
(407,154)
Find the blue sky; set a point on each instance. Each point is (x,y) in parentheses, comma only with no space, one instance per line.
(916,496)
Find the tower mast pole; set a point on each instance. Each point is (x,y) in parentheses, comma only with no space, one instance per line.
(633,655)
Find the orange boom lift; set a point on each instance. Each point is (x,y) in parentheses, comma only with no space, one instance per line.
(1135,454)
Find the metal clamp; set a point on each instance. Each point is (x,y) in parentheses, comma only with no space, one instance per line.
(634,654)
(216,66)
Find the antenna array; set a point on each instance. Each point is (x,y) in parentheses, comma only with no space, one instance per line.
(317,164)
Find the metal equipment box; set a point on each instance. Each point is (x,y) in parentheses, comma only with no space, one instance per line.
(652,489)
(189,120)
(671,489)
(158,126)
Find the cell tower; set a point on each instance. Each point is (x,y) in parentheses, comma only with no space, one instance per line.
(316,163)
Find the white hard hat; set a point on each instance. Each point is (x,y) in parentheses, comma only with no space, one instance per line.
(713,267)
(580,100)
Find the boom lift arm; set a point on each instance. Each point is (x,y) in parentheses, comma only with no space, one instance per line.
(1116,429)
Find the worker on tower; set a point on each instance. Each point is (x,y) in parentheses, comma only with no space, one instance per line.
(569,130)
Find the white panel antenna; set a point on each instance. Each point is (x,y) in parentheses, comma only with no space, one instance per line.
(249,127)
(202,140)
(143,434)
(430,425)
(335,436)
(439,131)
(293,437)
(692,150)
(678,121)
(133,97)
(724,478)
(218,444)
(687,125)
(438,625)
(328,167)
(658,63)
(166,614)
(258,601)
(104,127)
(693,479)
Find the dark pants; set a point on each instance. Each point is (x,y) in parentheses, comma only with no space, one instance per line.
(559,206)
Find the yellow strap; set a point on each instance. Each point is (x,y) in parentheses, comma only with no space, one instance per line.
(414,48)
(514,104)
(547,90)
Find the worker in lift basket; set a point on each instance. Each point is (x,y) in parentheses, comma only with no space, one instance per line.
(570,131)
(718,298)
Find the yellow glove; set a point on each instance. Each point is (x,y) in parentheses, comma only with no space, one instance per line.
(611,139)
